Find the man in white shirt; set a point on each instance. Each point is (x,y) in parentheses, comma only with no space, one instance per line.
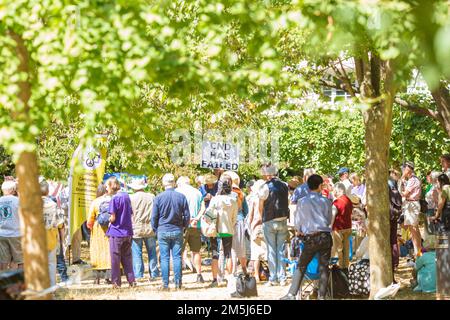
(344,178)
(193,234)
(411,191)
(274,197)
(10,242)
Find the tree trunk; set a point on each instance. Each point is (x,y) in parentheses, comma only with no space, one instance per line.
(377,159)
(378,124)
(34,240)
(442,98)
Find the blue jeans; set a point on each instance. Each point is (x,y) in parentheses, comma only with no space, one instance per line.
(138,262)
(275,234)
(61,265)
(170,242)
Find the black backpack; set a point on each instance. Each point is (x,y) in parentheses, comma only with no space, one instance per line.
(423,206)
(395,202)
(245,286)
(11,284)
(445,218)
(295,247)
(340,283)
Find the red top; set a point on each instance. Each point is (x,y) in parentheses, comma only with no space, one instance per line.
(343,218)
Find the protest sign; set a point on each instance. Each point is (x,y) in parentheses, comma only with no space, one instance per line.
(220,155)
(86,173)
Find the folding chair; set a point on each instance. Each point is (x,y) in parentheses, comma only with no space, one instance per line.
(312,276)
(310,279)
(351,248)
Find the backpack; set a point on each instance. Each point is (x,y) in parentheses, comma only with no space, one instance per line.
(445,217)
(208,224)
(103,215)
(264,272)
(359,278)
(395,202)
(423,206)
(340,283)
(295,247)
(245,286)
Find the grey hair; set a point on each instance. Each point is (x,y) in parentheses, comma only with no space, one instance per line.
(340,187)
(183,180)
(44,187)
(434,176)
(9,186)
(168,180)
(309,172)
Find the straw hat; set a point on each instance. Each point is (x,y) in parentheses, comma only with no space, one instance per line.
(210,179)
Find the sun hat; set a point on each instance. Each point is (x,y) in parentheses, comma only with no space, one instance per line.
(138,184)
(234,178)
(210,179)
(409,164)
(343,170)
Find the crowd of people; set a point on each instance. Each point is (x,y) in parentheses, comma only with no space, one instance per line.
(241,225)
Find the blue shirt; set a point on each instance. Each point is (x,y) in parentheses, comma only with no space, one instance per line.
(313,214)
(170,212)
(204,190)
(299,193)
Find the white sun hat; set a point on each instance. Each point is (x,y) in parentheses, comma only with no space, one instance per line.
(138,184)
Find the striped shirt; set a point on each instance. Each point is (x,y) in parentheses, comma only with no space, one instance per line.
(413,188)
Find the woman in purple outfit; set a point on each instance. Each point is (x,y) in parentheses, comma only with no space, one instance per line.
(120,233)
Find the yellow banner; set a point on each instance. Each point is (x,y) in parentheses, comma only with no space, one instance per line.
(86,173)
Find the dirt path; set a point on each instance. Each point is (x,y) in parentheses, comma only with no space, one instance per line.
(86,290)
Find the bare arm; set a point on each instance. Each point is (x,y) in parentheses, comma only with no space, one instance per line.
(405,192)
(334,214)
(91,216)
(257,213)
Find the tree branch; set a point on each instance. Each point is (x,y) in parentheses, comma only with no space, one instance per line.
(359,70)
(441,96)
(346,80)
(331,84)
(416,108)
